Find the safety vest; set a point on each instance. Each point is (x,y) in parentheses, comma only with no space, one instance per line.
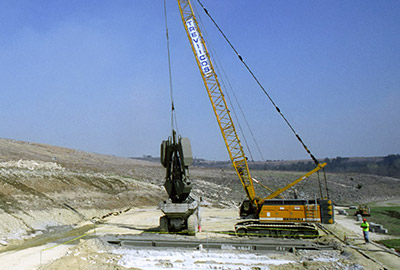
(365,226)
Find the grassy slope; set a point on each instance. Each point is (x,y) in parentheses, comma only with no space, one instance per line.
(389,217)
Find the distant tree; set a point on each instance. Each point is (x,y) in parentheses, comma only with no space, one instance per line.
(391,164)
(385,166)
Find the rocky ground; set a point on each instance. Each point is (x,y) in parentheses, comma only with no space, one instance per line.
(49,194)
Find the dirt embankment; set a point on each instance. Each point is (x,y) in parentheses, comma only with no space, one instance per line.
(36,196)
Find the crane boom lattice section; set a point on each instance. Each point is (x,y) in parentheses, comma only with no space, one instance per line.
(217,98)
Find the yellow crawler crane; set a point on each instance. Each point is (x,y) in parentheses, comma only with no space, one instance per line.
(268,216)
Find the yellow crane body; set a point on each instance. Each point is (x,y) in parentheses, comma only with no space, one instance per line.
(217,98)
(261,215)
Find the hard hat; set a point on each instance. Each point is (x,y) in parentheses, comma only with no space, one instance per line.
(364,219)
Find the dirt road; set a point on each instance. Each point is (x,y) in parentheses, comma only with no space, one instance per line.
(86,251)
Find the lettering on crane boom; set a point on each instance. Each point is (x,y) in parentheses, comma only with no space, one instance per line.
(198,47)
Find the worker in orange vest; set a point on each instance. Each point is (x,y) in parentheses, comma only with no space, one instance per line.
(365,227)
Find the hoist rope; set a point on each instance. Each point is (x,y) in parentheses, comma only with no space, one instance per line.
(229,87)
(260,85)
(173,114)
(247,123)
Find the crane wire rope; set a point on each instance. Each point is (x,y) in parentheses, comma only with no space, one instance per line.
(174,121)
(260,85)
(225,83)
(245,119)
(224,80)
(213,55)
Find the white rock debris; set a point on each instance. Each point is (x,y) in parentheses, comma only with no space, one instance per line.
(181,259)
(31,165)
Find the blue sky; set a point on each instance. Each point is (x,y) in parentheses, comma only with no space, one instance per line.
(93,75)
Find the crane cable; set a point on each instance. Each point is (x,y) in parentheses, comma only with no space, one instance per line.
(173,114)
(261,86)
(228,86)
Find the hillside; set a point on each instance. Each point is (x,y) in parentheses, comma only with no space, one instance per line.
(43,186)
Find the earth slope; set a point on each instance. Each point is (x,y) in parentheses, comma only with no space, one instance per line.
(43,186)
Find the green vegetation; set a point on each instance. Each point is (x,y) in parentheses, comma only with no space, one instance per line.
(391,243)
(384,166)
(389,217)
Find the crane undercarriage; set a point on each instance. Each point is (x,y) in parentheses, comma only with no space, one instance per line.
(253,227)
(288,218)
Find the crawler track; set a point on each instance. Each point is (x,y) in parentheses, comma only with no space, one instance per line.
(278,230)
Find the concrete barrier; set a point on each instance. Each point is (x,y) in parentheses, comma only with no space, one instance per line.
(377,228)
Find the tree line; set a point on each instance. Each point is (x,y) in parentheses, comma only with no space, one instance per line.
(385,166)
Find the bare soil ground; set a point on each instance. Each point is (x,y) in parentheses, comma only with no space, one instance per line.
(49,195)
(92,253)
